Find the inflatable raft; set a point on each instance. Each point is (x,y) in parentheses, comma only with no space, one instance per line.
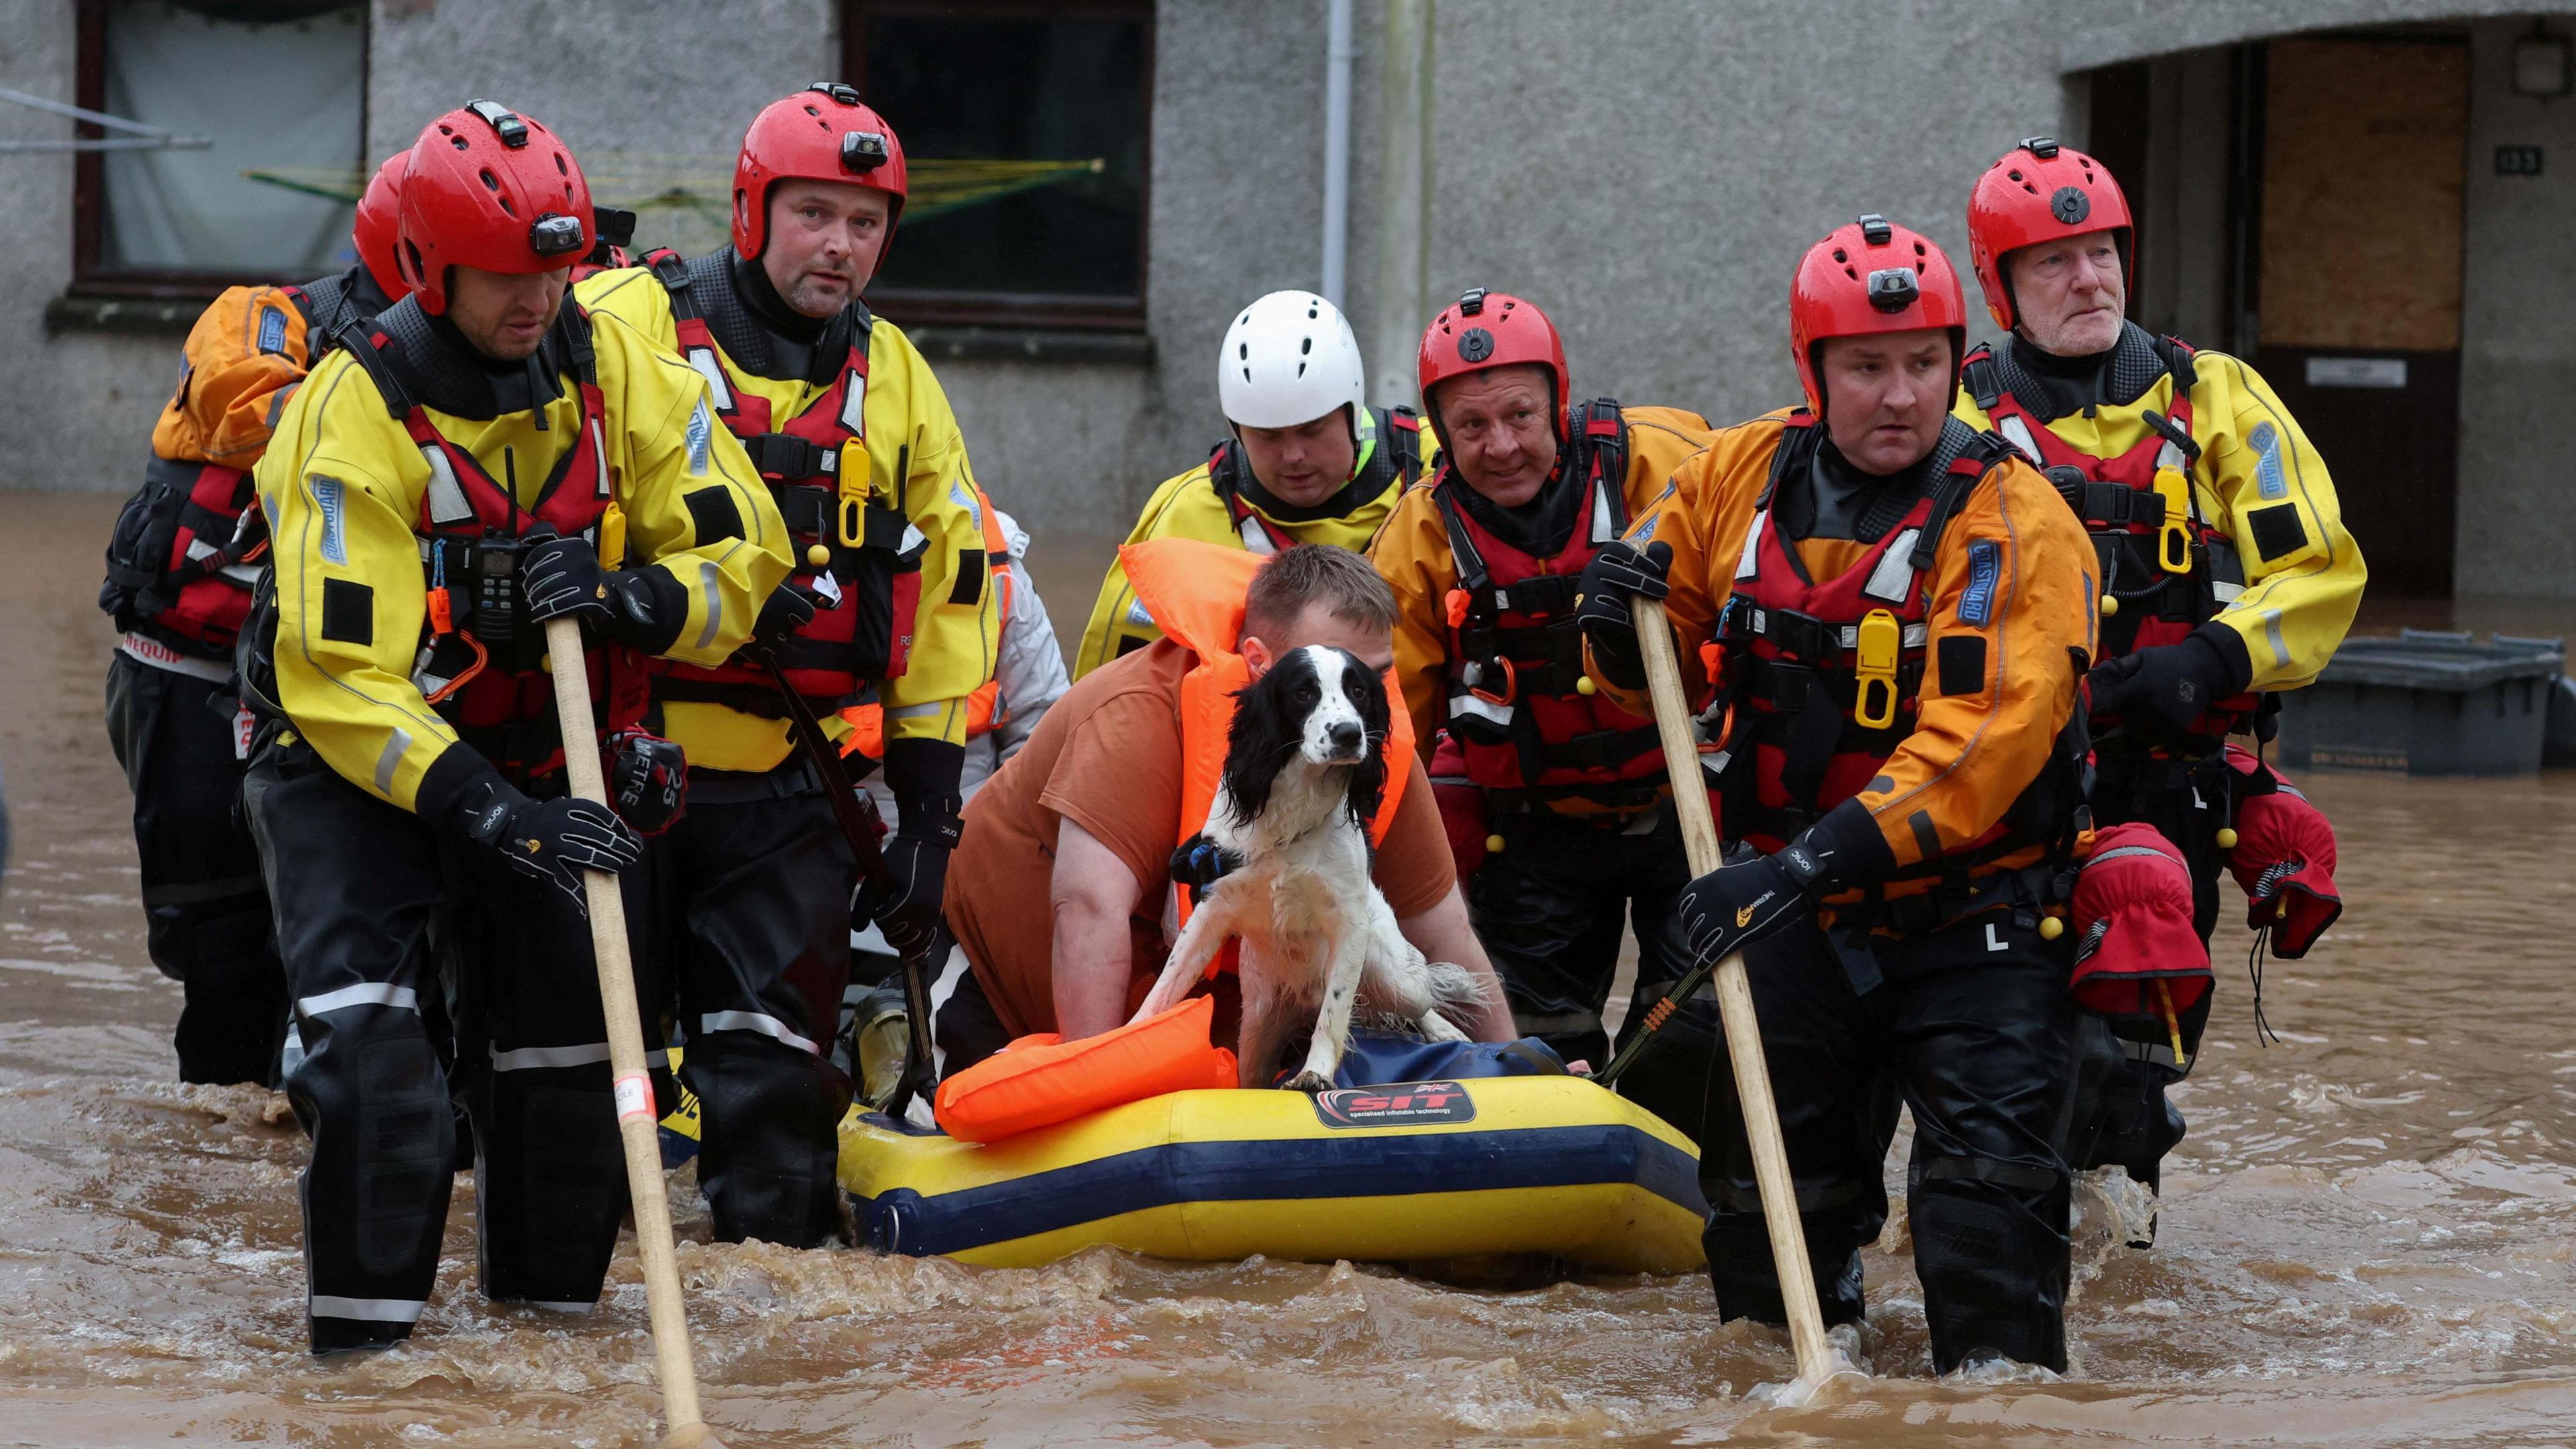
(1551,1166)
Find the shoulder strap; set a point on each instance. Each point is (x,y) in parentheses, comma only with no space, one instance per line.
(1472,574)
(672,270)
(2177,357)
(1983,453)
(1601,430)
(1798,435)
(1400,431)
(1982,378)
(1225,475)
(369,348)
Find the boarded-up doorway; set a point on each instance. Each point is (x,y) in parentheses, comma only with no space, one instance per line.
(2357,309)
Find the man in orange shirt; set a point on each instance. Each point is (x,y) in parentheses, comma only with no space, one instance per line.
(1093,808)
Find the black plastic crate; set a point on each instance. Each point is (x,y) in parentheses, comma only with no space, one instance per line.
(2426,703)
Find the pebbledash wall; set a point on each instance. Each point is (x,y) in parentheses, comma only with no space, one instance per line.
(1649,171)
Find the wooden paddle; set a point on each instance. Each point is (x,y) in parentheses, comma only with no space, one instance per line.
(1735,1003)
(636,1123)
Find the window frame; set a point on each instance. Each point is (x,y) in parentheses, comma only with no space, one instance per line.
(922,307)
(89,177)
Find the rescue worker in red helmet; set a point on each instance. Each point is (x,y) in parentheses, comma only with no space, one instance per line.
(1890,608)
(1305,459)
(180,566)
(893,599)
(1571,794)
(485,459)
(2219,553)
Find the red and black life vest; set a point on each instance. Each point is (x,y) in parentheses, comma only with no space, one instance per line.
(872,581)
(2170,568)
(1396,461)
(1518,703)
(1823,678)
(184,557)
(480,660)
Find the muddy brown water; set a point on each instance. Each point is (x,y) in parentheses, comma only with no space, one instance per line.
(2367,1239)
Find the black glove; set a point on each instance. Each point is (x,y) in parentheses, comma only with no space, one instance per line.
(2172,684)
(924,775)
(1753,896)
(561,577)
(553,840)
(1201,863)
(1617,571)
(789,609)
(648,777)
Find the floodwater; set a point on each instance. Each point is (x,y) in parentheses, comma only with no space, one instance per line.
(2367,1239)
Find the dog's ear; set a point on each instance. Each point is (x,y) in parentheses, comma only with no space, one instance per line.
(1367,692)
(1265,732)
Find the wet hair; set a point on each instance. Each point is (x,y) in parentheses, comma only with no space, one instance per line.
(1297,579)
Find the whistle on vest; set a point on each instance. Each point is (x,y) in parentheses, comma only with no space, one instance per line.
(2173,541)
(1875,653)
(612,537)
(1494,680)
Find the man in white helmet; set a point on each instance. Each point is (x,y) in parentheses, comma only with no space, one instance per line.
(1307,459)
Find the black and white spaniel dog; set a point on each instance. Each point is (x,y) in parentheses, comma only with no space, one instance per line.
(1287,848)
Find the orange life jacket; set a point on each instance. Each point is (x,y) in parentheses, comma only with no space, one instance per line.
(1195,591)
(2171,569)
(986,710)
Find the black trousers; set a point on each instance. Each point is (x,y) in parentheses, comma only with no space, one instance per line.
(1551,908)
(204,904)
(1968,1025)
(374,914)
(2121,1116)
(755,886)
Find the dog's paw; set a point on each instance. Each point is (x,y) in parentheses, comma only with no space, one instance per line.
(1309,1082)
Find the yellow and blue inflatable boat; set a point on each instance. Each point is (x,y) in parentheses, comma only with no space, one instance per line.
(1543,1165)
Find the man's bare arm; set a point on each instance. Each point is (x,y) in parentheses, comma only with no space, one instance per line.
(1091,895)
(1442,934)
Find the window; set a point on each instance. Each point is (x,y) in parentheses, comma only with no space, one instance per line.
(1024,125)
(279,86)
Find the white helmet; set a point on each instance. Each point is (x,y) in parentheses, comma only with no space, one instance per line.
(1288,360)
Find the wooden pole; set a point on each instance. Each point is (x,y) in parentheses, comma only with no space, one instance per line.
(1735,1003)
(637,1124)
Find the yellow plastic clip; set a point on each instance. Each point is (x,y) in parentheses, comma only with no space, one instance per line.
(612,536)
(854,521)
(2173,542)
(1880,644)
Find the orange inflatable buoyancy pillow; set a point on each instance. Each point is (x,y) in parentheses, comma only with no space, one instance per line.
(1038,1081)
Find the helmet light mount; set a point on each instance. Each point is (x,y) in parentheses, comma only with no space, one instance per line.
(1893,289)
(2043,147)
(841,92)
(863,151)
(505,123)
(556,235)
(1875,230)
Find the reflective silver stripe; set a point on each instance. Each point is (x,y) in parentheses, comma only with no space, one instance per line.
(2126,851)
(1255,537)
(2017,433)
(1603,529)
(1137,614)
(713,371)
(854,404)
(397,744)
(2223,591)
(446,498)
(367,1310)
(369,993)
(525,1059)
(2141,1052)
(599,453)
(1912,636)
(1744,566)
(711,584)
(1893,580)
(916,711)
(247,574)
(161,656)
(2272,631)
(1484,709)
(766,1025)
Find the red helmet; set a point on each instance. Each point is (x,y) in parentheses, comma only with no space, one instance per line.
(821,133)
(1869,277)
(2039,192)
(1483,330)
(377,231)
(488,188)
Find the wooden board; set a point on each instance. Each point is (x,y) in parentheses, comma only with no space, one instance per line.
(2364,164)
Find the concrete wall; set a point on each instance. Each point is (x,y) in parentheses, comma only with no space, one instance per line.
(2518,354)
(79,409)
